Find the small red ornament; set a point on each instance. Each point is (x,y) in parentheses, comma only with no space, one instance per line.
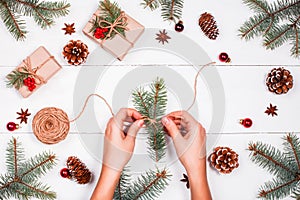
(65,173)
(11,126)
(179,26)
(223,57)
(247,122)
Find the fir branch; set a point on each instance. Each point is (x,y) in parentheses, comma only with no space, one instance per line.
(171,9)
(152,105)
(267,156)
(16,78)
(148,186)
(20,180)
(12,21)
(277,188)
(43,14)
(38,190)
(292,149)
(277,23)
(152,4)
(123,185)
(285,167)
(38,165)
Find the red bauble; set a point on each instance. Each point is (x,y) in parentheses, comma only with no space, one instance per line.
(11,126)
(247,122)
(65,173)
(179,26)
(223,57)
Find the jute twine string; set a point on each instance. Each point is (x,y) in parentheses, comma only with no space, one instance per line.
(51,125)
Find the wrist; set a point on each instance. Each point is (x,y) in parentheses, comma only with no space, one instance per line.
(197,169)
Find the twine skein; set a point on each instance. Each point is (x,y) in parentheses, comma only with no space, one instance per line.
(51,125)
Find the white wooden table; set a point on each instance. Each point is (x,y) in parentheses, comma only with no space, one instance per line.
(243,82)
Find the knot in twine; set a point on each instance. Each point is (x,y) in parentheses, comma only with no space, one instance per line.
(27,68)
(51,125)
(120,22)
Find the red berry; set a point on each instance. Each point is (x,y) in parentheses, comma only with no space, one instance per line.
(104,30)
(33,80)
(179,26)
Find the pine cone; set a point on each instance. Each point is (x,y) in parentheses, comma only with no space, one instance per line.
(224,160)
(209,26)
(279,80)
(79,172)
(75,52)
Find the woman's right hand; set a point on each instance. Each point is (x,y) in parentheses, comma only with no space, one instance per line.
(190,147)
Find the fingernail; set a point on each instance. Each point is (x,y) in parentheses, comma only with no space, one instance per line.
(165,121)
(141,123)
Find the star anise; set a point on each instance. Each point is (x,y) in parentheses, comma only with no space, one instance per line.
(271,110)
(163,37)
(186,179)
(23,115)
(69,29)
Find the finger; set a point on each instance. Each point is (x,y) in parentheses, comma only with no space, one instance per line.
(188,120)
(134,129)
(171,127)
(127,115)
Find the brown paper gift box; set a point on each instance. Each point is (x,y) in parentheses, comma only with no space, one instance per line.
(119,45)
(46,71)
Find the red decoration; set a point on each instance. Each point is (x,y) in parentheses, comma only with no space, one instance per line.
(247,122)
(179,26)
(223,57)
(11,126)
(99,33)
(30,83)
(65,173)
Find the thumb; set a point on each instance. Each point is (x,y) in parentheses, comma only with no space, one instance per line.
(171,127)
(134,129)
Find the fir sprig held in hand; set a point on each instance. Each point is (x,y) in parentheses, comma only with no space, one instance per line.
(21,179)
(152,105)
(277,22)
(285,166)
(42,12)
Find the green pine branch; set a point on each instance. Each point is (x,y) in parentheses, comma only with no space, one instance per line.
(123,185)
(152,4)
(285,166)
(16,78)
(152,105)
(42,12)
(170,9)
(20,180)
(277,23)
(147,186)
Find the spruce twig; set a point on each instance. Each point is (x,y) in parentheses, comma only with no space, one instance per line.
(152,105)
(283,165)
(42,12)
(277,23)
(170,9)
(21,179)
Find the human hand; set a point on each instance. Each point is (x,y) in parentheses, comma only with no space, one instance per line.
(190,147)
(118,145)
